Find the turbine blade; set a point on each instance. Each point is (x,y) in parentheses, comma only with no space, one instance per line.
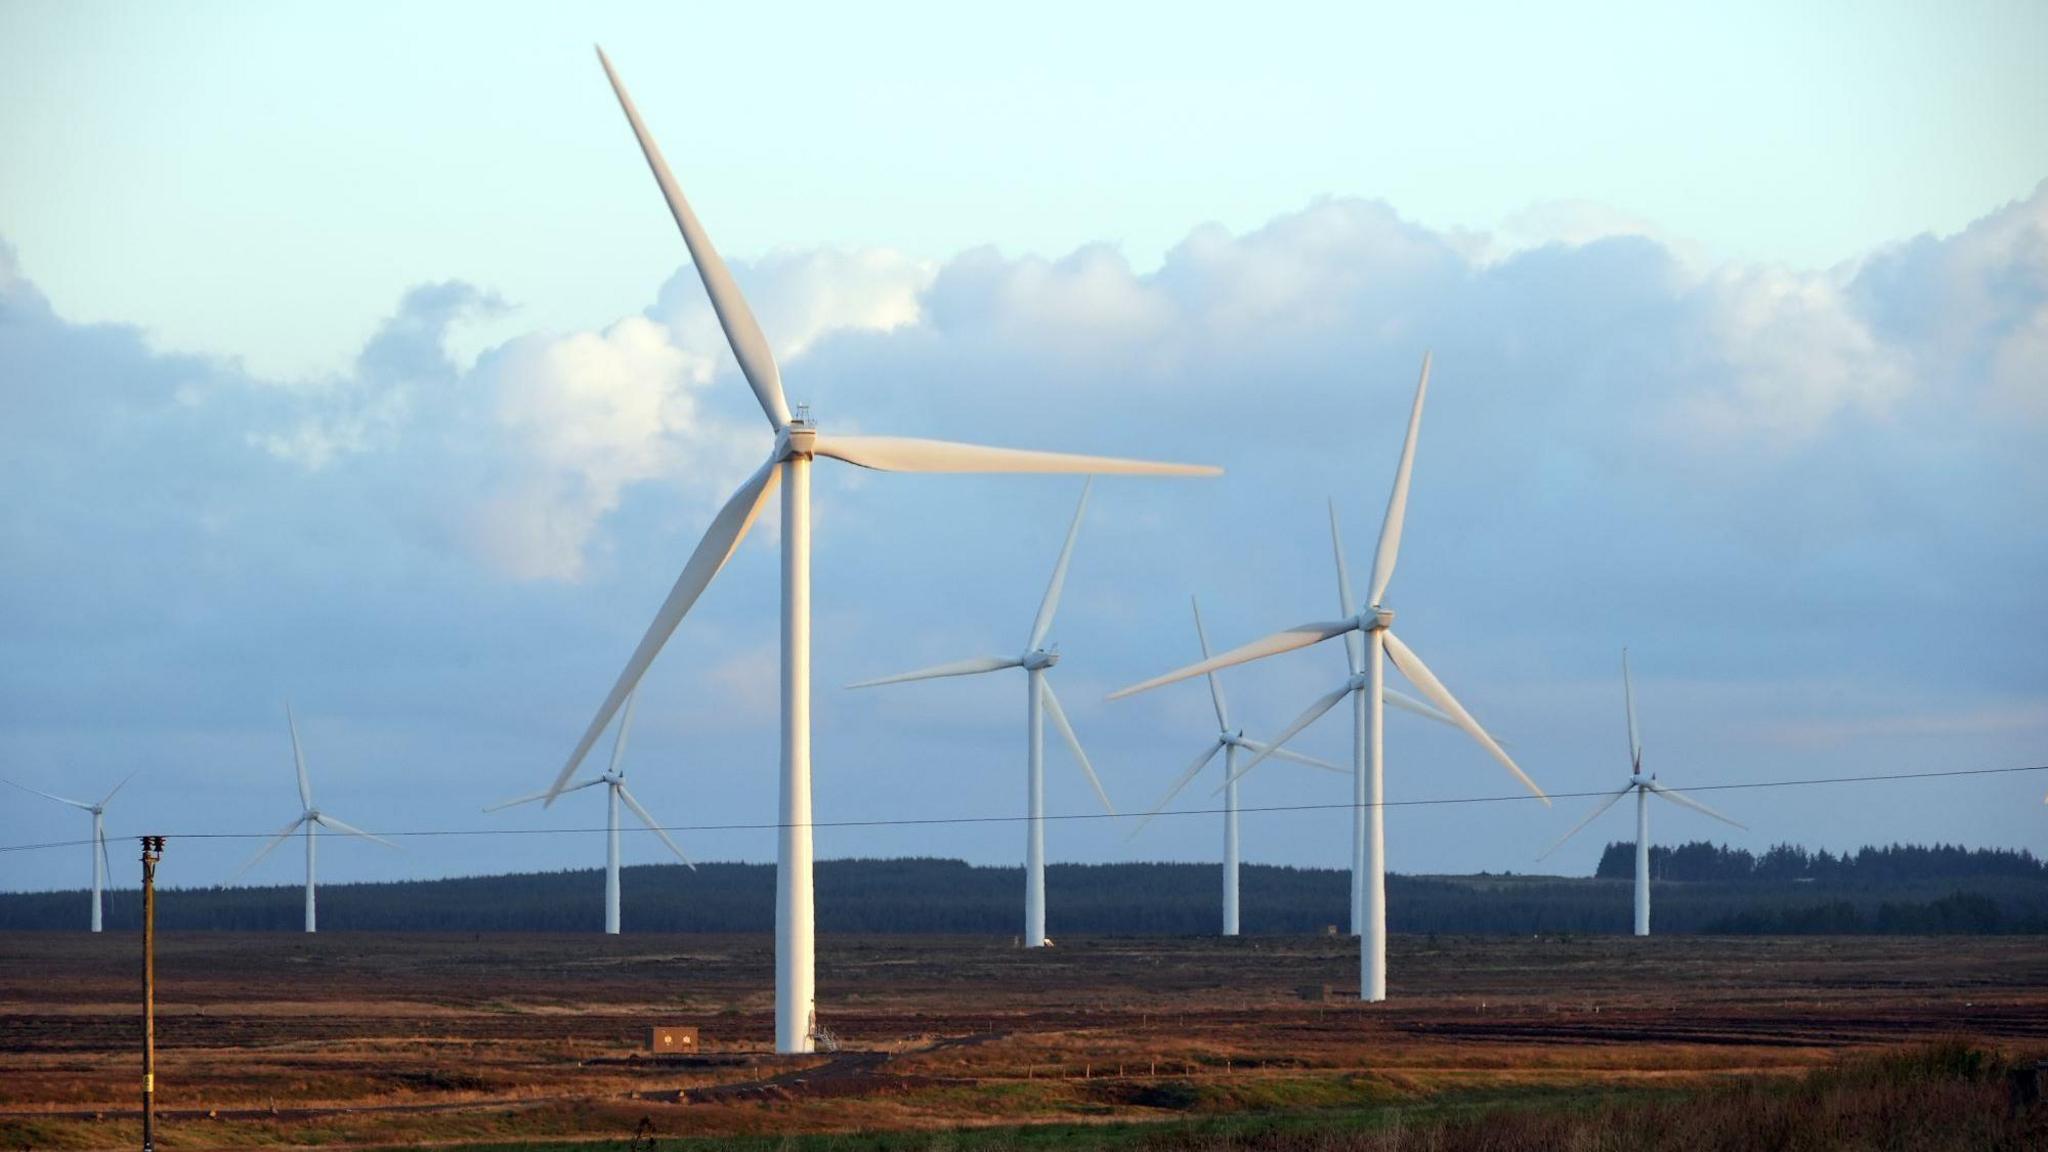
(1354,643)
(1397,504)
(1299,636)
(267,848)
(749,346)
(49,795)
(1309,716)
(1059,721)
(727,529)
(1298,758)
(1603,806)
(653,825)
(1051,604)
(625,723)
(939,671)
(1193,770)
(503,804)
(1628,693)
(118,787)
(1419,674)
(907,454)
(106,859)
(1215,685)
(299,761)
(330,822)
(1677,797)
(1407,703)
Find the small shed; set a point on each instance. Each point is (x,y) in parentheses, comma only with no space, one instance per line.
(663,1038)
(1313,993)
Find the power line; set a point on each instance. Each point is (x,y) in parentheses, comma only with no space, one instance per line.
(927,821)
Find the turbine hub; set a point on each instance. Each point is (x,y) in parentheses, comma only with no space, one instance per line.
(1041,659)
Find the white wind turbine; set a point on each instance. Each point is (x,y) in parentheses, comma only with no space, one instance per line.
(102,867)
(614,779)
(797,443)
(1374,625)
(1228,740)
(1355,687)
(1644,787)
(1040,700)
(310,818)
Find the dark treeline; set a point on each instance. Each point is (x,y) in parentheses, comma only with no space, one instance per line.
(1898,863)
(949,896)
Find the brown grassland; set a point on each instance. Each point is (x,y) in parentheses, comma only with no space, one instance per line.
(960,1043)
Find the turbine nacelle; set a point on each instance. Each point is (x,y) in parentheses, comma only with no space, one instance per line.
(1039,659)
(798,439)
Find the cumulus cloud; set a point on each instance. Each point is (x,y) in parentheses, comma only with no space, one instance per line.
(1742,464)
(801,296)
(1784,356)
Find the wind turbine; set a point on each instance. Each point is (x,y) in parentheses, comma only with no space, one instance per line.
(797,442)
(310,818)
(102,867)
(1374,627)
(1644,787)
(614,779)
(1228,740)
(1039,700)
(1354,686)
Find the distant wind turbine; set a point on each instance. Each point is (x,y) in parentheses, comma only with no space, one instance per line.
(797,442)
(311,819)
(1355,687)
(1644,787)
(102,867)
(614,779)
(1228,740)
(1375,625)
(1040,699)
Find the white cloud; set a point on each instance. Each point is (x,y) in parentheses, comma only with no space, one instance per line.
(801,297)
(576,420)
(1788,357)
(1576,223)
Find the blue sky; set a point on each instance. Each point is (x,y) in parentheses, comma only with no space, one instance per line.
(348,356)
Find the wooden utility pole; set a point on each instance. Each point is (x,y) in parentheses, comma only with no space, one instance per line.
(152,851)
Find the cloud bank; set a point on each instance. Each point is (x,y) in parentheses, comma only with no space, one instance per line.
(1811,497)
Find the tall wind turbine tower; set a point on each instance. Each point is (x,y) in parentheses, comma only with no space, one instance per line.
(614,780)
(312,820)
(1644,787)
(101,866)
(1375,626)
(798,441)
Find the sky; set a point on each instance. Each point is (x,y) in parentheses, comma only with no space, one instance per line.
(349,358)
